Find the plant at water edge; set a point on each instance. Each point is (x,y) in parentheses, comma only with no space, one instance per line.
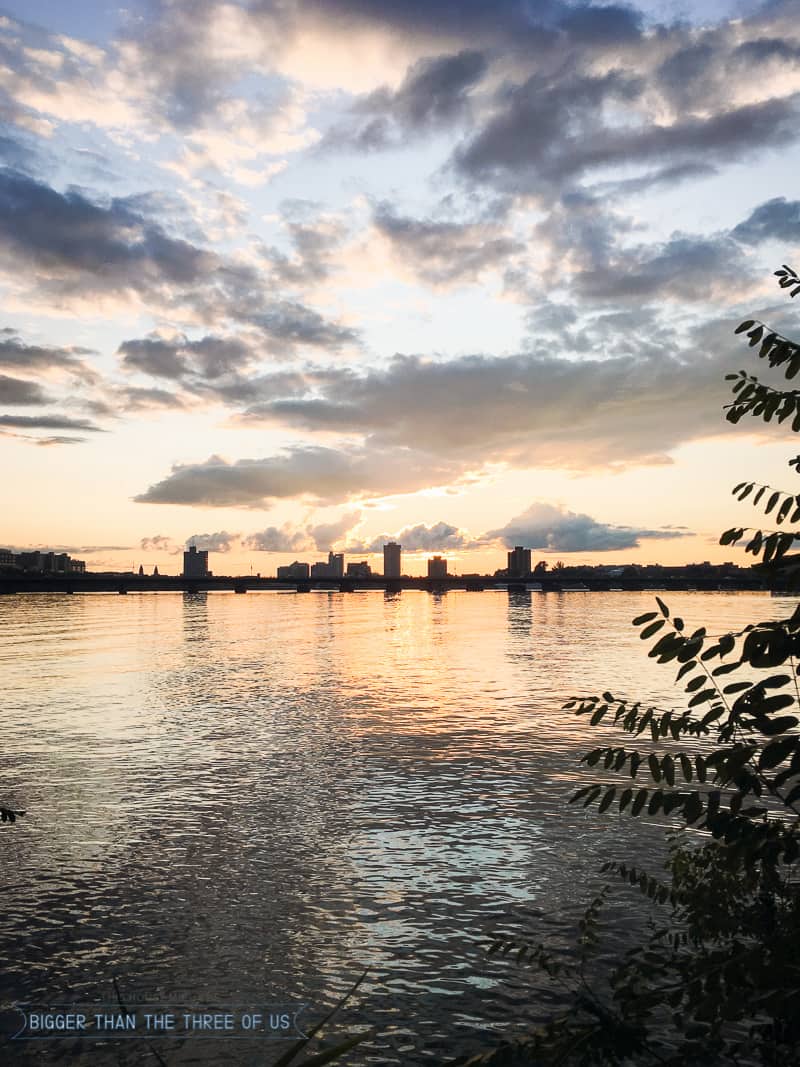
(716,977)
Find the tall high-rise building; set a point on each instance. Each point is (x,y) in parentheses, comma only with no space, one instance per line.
(195,563)
(391,560)
(437,567)
(519,562)
(336,564)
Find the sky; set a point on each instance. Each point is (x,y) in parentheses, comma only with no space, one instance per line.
(285,276)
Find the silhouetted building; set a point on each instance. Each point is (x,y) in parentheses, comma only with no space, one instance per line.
(49,563)
(7,558)
(519,562)
(334,568)
(141,570)
(293,572)
(195,563)
(359,570)
(391,560)
(437,567)
(336,564)
(155,571)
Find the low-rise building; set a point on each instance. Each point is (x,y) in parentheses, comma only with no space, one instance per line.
(293,572)
(359,570)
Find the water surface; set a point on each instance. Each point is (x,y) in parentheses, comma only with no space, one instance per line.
(251,798)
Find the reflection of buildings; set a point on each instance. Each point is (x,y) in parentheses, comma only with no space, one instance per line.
(391,560)
(293,571)
(334,568)
(519,562)
(42,562)
(195,563)
(437,567)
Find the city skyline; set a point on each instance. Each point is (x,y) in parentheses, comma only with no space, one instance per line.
(382,274)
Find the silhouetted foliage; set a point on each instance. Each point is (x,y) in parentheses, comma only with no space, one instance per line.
(715,978)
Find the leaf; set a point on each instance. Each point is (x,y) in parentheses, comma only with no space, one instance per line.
(655,767)
(777,751)
(668,770)
(663,607)
(702,698)
(648,631)
(639,802)
(746,325)
(607,800)
(771,727)
(648,615)
(784,510)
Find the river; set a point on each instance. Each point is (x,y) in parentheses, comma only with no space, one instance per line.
(247,800)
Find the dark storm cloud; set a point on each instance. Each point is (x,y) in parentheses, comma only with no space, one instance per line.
(323,474)
(19,391)
(48,422)
(543,526)
(442,253)
(774,220)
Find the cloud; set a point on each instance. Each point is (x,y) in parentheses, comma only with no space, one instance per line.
(319,537)
(631,399)
(72,248)
(46,442)
(286,538)
(774,220)
(213,542)
(19,391)
(438,537)
(324,475)
(48,422)
(135,399)
(434,94)
(325,534)
(684,268)
(552,529)
(445,253)
(210,357)
(157,543)
(15,353)
(314,244)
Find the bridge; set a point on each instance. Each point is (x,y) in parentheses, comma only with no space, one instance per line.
(136,583)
